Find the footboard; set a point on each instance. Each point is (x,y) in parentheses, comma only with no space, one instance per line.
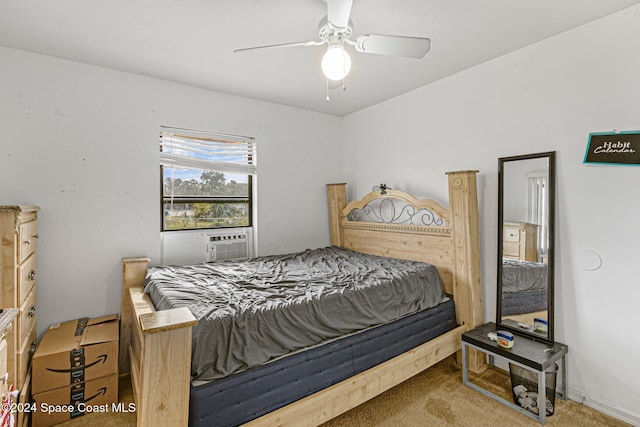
(155,349)
(326,404)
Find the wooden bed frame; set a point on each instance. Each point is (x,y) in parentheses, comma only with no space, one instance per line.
(155,346)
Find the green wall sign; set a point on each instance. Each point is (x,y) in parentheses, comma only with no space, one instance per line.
(622,148)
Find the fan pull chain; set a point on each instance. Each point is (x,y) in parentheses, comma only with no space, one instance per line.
(344,67)
(328,99)
(344,87)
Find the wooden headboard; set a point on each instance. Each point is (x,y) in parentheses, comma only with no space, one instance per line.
(449,239)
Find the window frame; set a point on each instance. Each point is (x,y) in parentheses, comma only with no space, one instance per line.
(249,199)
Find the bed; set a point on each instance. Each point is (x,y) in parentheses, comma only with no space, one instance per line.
(524,287)
(156,345)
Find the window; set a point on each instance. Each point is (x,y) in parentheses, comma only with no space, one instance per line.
(538,211)
(206,179)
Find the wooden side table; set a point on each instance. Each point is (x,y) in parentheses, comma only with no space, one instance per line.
(526,353)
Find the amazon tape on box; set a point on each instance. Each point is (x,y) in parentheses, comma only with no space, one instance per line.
(72,401)
(75,352)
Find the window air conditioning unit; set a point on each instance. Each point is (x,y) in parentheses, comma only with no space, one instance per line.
(232,246)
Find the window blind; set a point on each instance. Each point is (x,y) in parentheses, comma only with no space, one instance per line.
(538,209)
(188,149)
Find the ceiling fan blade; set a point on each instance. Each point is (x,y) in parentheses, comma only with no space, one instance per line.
(309,43)
(412,47)
(338,12)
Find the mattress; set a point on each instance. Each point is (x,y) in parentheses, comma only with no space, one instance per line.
(244,396)
(524,286)
(255,311)
(519,276)
(524,302)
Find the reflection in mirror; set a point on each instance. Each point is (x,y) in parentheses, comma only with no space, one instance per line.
(526,195)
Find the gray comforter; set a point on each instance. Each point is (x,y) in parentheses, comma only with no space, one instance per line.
(250,312)
(518,276)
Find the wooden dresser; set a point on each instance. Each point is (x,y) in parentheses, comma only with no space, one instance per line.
(520,241)
(18,289)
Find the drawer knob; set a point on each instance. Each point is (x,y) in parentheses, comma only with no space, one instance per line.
(28,241)
(32,311)
(32,275)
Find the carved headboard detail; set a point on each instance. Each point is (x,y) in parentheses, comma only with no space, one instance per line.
(397,207)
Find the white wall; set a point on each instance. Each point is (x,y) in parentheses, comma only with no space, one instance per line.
(82,143)
(546,97)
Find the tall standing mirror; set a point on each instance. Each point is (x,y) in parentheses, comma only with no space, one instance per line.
(526,206)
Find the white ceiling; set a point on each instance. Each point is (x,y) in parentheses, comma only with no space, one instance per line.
(191,41)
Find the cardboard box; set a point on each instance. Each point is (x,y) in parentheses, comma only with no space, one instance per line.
(74,352)
(62,404)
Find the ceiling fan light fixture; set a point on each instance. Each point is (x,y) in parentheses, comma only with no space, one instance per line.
(336,62)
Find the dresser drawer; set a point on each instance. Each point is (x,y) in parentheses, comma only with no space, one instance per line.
(511,235)
(26,278)
(27,316)
(511,249)
(27,349)
(28,236)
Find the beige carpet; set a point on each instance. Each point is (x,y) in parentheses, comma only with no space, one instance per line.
(435,397)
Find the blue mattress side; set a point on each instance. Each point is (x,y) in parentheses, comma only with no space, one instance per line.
(523,302)
(250,394)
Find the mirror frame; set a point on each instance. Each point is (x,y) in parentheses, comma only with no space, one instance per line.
(551,155)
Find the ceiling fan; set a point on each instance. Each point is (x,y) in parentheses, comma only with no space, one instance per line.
(335,30)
